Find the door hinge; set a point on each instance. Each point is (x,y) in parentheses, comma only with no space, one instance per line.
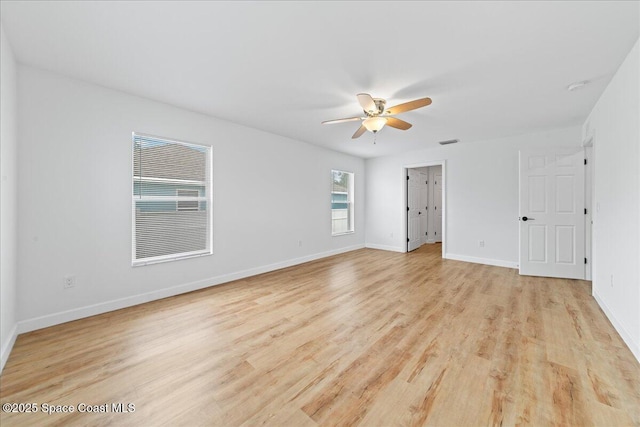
(585,211)
(585,161)
(426,182)
(407,208)
(585,260)
(435,208)
(435,183)
(426,233)
(407,177)
(435,232)
(408,239)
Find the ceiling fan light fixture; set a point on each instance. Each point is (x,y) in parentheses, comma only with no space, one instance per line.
(374,124)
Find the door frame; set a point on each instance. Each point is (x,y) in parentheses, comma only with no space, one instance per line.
(589,175)
(424,201)
(433,214)
(405,224)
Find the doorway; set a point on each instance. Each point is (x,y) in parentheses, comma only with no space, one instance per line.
(425,204)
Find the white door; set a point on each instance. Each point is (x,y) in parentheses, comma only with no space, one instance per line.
(552,213)
(424,203)
(437,205)
(413,209)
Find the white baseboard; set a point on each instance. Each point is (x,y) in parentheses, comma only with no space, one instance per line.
(104,307)
(8,346)
(486,261)
(385,247)
(624,334)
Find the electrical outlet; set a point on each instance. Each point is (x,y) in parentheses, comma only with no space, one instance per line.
(300,243)
(69,281)
(612,280)
(481,243)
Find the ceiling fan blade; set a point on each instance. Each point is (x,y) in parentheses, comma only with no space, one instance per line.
(408,106)
(349,119)
(359,132)
(397,123)
(367,103)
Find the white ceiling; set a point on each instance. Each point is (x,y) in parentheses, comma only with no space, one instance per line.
(493,69)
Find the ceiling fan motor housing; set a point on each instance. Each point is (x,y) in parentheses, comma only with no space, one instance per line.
(380,103)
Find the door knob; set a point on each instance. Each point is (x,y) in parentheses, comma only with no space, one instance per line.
(524,218)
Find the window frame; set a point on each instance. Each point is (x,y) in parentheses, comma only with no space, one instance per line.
(207,198)
(349,202)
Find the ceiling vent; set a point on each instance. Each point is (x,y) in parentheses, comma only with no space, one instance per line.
(577,85)
(449,141)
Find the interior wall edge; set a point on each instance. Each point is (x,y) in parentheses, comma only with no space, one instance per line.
(624,334)
(8,346)
(385,247)
(485,261)
(8,197)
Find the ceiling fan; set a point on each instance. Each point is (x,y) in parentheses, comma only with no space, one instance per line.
(376,116)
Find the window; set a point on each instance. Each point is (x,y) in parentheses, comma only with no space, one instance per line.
(187,205)
(341,202)
(171,200)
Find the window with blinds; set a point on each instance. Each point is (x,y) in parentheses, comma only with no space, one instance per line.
(171,200)
(342,218)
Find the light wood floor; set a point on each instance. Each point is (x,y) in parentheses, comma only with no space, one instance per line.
(367,338)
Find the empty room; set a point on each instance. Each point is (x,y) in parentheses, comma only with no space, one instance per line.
(241,213)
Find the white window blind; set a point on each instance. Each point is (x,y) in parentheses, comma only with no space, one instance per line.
(188,205)
(171,200)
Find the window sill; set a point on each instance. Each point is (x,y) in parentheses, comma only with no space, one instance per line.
(159,260)
(342,234)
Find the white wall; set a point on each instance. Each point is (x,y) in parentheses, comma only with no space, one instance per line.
(75,212)
(614,126)
(481,195)
(8,198)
